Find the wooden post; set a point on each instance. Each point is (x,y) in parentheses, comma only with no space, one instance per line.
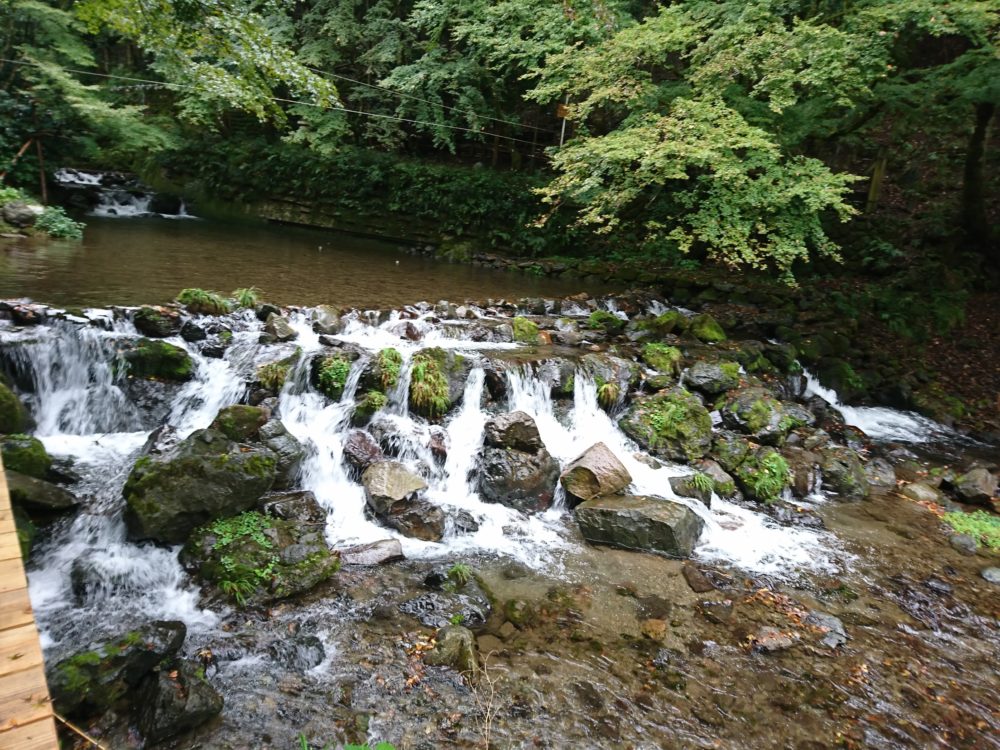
(18,155)
(41,172)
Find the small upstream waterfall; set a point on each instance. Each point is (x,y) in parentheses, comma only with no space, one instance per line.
(87,575)
(119,196)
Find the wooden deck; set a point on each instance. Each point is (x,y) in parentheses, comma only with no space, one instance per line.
(26,721)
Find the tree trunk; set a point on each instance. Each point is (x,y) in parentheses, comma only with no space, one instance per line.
(974,221)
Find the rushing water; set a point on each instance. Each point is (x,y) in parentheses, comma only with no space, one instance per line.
(149,260)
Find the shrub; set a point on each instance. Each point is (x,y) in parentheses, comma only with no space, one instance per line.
(246,297)
(982,526)
(55,223)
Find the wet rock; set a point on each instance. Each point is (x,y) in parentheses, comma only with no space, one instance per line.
(755,412)
(514,468)
(157,322)
(361,451)
(991,575)
(240,423)
(265,310)
(713,378)
(463,522)
(437,381)
(643,523)
(297,653)
(39,498)
(192,332)
(976,486)
(769,640)
(231,553)
(922,493)
(515,430)
(456,648)
(438,445)
(290,452)
(705,328)
(717,612)
(173,700)
(326,320)
(418,519)
(804,468)
(279,327)
(449,603)
(95,680)
(22,213)
(597,471)
(203,477)
(374,553)
(300,507)
(388,484)
(672,424)
(157,360)
(698,487)
(724,484)
(880,473)
(844,474)
(25,454)
(730,449)
(831,629)
(14,416)
(963,544)
(697,580)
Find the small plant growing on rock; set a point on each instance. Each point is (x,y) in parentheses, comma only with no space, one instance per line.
(703,482)
(979,524)
(272,375)
(608,393)
(525,330)
(199,301)
(768,477)
(428,386)
(55,223)
(246,296)
(389,363)
(459,574)
(332,375)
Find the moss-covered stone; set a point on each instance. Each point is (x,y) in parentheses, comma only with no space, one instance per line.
(13,414)
(601,320)
(525,331)
(729,450)
(844,474)
(329,373)
(661,357)
(673,424)
(254,558)
(672,321)
(382,373)
(26,532)
(156,322)
(756,412)
(372,403)
(25,454)
(763,475)
(240,422)
(705,328)
(158,360)
(437,381)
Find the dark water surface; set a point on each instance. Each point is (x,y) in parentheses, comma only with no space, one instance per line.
(149,260)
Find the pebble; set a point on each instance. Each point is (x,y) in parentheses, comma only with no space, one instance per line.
(992,575)
(831,627)
(697,580)
(963,544)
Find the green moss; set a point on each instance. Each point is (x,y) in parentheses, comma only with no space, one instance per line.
(158,360)
(262,466)
(765,475)
(705,328)
(601,320)
(730,369)
(26,532)
(671,423)
(662,357)
(26,454)
(331,375)
(429,393)
(758,416)
(389,362)
(240,422)
(525,330)
(199,301)
(373,402)
(982,526)
(272,375)
(671,321)
(13,415)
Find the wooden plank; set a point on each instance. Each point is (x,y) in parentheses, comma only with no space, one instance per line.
(19,650)
(15,609)
(24,698)
(10,547)
(12,575)
(39,735)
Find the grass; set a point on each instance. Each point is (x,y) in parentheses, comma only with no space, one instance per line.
(206,303)
(428,386)
(460,574)
(246,296)
(982,526)
(770,477)
(608,393)
(702,482)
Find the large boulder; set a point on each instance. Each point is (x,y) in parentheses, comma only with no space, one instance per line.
(844,474)
(239,422)
(255,558)
(515,469)
(174,699)
(597,471)
(95,680)
(977,486)
(39,498)
(361,451)
(22,213)
(649,524)
(754,411)
(326,320)
(25,454)
(713,378)
(393,494)
(672,424)
(157,360)
(156,322)
(205,476)
(14,416)
(279,327)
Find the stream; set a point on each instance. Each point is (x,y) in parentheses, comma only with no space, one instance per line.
(585,646)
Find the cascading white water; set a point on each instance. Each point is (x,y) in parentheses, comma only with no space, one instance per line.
(879,422)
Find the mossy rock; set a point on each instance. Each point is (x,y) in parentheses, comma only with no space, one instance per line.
(730,450)
(663,358)
(841,377)
(14,416)
(672,424)
(844,474)
(254,558)
(754,411)
(437,381)
(705,328)
(26,532)
(240,422)
(601,320)
(372,403)
(155,323)
(383,371)
(26,454)
(764,475)
(672,321)
(329,373)
(158,360)
(525,331)
(206,476)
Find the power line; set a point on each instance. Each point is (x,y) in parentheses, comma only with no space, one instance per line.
(428,101)
(376,115)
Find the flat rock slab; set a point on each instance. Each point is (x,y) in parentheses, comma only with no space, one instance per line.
(640,522)
(375,553)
